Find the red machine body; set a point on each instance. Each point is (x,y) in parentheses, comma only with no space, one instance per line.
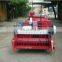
(34,40)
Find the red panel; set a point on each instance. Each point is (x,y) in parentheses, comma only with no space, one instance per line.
(45,23)
(38,42)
